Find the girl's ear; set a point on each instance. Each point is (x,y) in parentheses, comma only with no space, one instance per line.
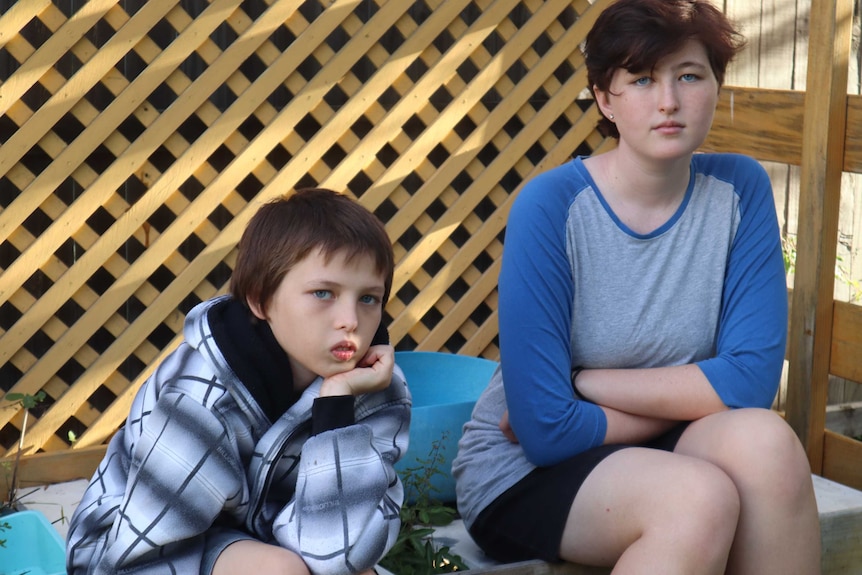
(603,102)
(255,308)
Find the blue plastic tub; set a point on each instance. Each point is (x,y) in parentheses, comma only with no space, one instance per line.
(445,388)
(33,546)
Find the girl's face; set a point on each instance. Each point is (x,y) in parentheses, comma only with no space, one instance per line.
(325,313)
(665,113)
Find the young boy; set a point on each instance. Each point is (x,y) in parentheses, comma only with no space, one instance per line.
(266,441)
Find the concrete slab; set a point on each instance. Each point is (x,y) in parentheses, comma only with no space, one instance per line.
(57,502)
(840,510)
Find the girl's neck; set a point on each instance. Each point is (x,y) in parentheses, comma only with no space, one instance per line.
(643,195)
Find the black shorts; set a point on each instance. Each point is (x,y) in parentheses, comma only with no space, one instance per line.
(527,521)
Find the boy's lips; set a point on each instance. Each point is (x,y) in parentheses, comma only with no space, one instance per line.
(344,351)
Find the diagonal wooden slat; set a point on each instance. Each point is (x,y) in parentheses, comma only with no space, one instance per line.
(422,302)
(274,188)
(38,432)
(17,16)
(472,37)
(105,183)
(60,41)
(84,145)
(458,160)
(429,83)
(137,213)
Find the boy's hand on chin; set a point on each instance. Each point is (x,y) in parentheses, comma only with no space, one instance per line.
(372,373)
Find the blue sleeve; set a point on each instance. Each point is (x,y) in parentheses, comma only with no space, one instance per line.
(752,332)
(535,311)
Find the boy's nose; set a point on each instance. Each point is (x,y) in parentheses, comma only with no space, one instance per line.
(348,319)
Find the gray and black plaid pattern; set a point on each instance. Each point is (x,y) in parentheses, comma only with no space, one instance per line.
(197,454)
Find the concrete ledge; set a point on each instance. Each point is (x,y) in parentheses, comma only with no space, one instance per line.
(840,510)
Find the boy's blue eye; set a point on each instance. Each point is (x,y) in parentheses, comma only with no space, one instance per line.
(689,77)
(369,299)
(643,81)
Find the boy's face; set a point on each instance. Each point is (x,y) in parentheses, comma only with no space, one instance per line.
(325,314)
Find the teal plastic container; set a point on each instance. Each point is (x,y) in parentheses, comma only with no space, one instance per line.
(33,546)
(445,388)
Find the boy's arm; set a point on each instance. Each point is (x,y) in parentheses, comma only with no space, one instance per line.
(345,514)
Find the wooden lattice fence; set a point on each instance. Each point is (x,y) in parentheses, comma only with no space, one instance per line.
(139,136)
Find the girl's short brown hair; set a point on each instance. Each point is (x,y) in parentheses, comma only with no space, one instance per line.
(285,231)
(635,34)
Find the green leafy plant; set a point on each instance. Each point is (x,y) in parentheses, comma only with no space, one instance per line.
(844,275)
(27,402)
(788,250)
(842,270)
(414,552)
(4,527)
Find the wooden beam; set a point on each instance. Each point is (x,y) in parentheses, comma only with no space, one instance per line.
(853,144)
(820,193)
(764,123)
(53,467)
(842,459)
(846,349)
(758,122)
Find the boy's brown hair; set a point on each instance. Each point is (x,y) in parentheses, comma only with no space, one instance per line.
(283,233)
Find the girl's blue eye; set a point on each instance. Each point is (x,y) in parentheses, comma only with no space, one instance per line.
(322,294)
(688,77)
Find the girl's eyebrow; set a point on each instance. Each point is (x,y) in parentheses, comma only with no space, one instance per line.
(681,65)
(691,64)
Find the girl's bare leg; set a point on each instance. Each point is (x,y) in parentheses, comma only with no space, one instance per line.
(650,511)
(779,530)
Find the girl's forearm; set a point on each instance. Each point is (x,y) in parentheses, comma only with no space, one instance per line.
(628,428)
(680,393)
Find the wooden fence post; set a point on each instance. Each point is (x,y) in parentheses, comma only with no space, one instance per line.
(823,134)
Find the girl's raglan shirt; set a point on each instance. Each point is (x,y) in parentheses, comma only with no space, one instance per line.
(579,288)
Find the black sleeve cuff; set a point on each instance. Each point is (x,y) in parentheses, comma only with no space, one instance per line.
(331,412)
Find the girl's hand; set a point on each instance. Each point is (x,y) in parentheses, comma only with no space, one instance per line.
(506,427)
(372,373)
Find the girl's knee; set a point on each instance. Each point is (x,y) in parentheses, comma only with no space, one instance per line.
(769,446)
(708,497)
(671,504)
(760,452)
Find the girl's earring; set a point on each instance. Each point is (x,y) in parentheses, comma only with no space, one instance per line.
(611,117)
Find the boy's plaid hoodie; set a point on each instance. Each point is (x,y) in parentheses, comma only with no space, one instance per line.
(205,459)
